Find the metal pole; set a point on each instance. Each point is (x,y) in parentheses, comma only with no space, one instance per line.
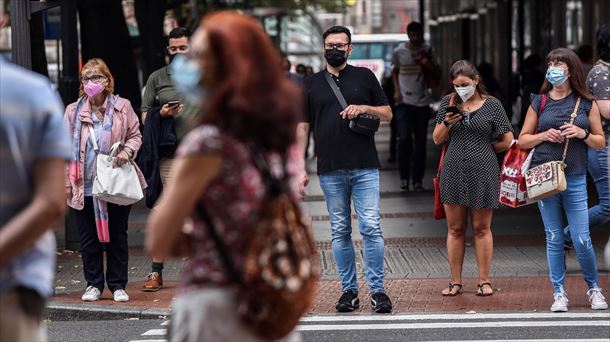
(421,12)
(21,41)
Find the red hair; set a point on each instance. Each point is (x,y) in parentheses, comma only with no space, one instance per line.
(251,99)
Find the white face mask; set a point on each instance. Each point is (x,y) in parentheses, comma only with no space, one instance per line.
(465,92)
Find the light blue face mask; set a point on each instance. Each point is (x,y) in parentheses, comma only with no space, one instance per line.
(185,74)
(556,76)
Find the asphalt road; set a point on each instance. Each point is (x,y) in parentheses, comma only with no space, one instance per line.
(581,326)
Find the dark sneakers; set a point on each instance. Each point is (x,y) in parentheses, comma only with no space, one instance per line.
(348,301)
(381,303)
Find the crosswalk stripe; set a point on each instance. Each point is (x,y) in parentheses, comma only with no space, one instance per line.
(155,332)
(411,326)
(540,340)
(148,341)
(166,322)
(452,317)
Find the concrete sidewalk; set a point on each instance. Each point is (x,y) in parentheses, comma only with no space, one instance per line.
(415,259)
(416,272)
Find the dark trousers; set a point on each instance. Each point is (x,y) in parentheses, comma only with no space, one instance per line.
(393,134)
(92,250)
(412,128)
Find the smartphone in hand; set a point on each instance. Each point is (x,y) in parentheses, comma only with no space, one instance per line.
(452,110)
(172,104)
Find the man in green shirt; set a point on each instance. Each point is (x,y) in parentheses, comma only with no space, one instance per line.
(161,92)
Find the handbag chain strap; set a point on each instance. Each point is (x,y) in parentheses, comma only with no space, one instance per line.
(572,118)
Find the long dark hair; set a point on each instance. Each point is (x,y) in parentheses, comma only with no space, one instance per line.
(252,99)
(465,68)
(577,72)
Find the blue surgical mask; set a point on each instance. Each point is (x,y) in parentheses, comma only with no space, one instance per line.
(185,74)
(556,76)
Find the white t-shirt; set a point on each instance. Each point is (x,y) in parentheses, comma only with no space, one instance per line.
(410,76)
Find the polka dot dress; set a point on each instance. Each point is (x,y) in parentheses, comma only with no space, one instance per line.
(471,174)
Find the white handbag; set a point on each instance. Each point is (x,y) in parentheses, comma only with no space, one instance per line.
(548,179)
(119,185)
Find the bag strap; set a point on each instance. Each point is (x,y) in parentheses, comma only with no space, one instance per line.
(335,89)
(93,139)
(221,248)
(440,163)
(273,186)
(113,149)
(572,118)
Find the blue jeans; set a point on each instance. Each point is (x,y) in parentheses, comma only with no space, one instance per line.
(572,202)
(598,169)
(340,187)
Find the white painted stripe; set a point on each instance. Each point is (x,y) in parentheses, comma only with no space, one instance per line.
(541,340)
(155,332)
(411,326)
(148,341)
(452,317)
(166,322)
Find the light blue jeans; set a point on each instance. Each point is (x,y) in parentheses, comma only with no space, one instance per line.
(598,169)
(572,202)
(361,186)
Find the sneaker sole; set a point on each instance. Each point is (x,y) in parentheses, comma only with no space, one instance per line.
(599,307)
(559,310)
(346,308)
(152,289)
(383,309)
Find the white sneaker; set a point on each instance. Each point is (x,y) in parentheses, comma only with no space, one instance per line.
(597,300)
(91,294)
(120,296)
(561,302)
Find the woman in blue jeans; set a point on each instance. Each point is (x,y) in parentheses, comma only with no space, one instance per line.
(547,131)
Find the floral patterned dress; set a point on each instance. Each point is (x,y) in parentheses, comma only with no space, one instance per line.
(232,201)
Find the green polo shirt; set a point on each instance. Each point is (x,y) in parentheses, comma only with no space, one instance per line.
(159,83)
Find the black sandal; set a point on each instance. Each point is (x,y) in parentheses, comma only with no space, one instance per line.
(480,292)
(451,293)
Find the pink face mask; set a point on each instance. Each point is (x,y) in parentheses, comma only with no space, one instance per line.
(92,89)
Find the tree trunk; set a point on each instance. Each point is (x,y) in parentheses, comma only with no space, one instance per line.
(104,35)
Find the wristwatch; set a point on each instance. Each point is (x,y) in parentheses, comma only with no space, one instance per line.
(446,123)
(586,134)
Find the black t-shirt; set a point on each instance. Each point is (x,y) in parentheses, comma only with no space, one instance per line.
(337,147)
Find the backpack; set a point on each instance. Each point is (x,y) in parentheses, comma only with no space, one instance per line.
(277,283)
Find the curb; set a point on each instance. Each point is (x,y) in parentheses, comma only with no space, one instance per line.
(92,312)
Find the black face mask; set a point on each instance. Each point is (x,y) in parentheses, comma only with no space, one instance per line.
(335,57)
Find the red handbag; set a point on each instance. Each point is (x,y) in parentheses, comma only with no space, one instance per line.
(439,209)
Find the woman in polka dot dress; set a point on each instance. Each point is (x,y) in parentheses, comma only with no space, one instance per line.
(475,129)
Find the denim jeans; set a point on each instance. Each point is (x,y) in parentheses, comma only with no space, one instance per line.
(361,186)
(412,129)
(572,202)
(598,169)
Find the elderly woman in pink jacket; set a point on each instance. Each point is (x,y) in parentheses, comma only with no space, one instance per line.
(113,120)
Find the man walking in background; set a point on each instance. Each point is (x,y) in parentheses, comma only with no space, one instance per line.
(415,70)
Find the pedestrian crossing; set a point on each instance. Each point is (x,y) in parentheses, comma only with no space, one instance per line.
(433,322)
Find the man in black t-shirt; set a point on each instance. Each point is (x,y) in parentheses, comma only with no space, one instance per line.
(348,165)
